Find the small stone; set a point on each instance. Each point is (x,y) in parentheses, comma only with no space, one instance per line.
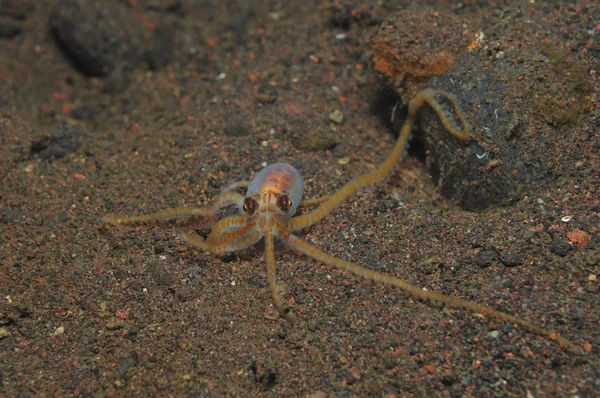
(3,333)
(194,271)
(413,349)
(388,362)
(124,366)
(560,247)
(9,28)
(65,139)
(187,293)
(353,375)
(511,259)
(162,274)
(114,325)
(336,116)
(59,330)
(313,138)
(266,94)
(485,257)
(494,334)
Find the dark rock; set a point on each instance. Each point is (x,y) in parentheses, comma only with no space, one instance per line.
(101,37)
(449,379)
(124,366)
(266,94)
(9,28)
(560,247)
(5,216)
(95,35)
(164,5)
(263,376)
(16,9)
(344,16)
(311,136)
(486,257)
(512,259)
(388,361)
(187,293)
(507,155)
(64,140)
(162,274)
(414,349)
(159,248)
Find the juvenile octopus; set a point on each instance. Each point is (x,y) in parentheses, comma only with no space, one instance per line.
(274,195)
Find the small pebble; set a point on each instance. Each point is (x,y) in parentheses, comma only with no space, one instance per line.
(266,94)
(485,257)
(193,272)
(124,366)
(511,259)
(414,349)
(353,375)
(114,325)
(388,362)
(560,247)
(336,116)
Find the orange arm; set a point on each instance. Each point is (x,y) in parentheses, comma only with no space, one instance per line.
(451,118)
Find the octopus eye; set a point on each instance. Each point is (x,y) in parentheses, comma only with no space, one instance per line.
(284,203)
(250,205)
